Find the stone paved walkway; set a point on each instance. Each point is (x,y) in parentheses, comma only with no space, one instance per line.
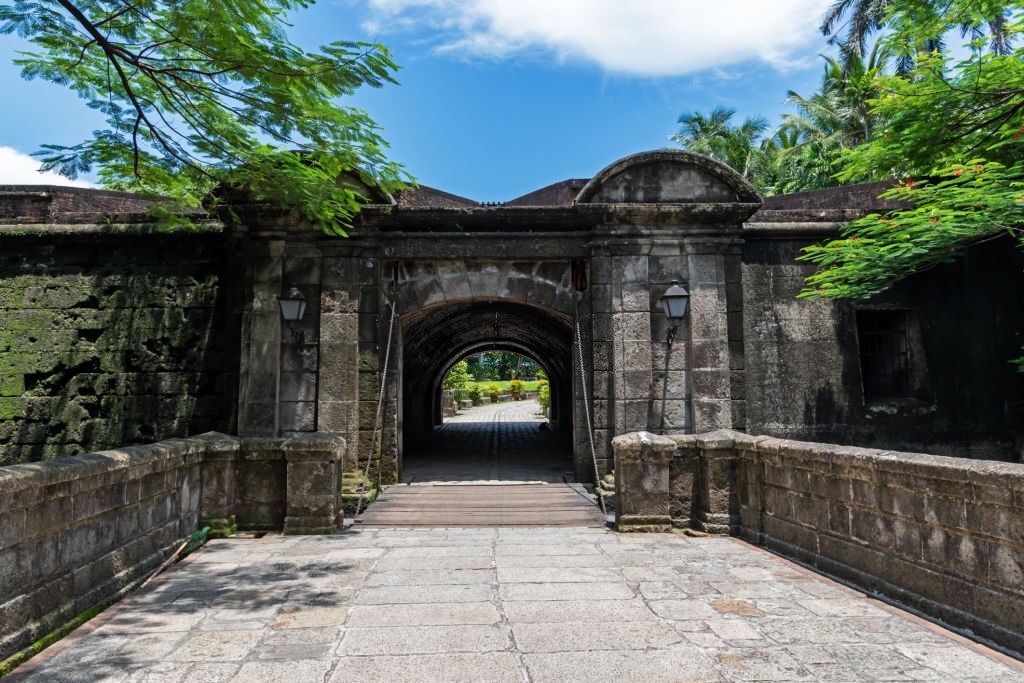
(496,442)
(503,605)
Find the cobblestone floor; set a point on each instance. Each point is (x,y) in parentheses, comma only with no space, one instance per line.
(504,605)
(497,442)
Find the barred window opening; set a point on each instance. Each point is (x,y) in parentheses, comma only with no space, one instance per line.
(884,357)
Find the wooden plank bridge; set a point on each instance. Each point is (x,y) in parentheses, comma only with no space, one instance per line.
(482,505)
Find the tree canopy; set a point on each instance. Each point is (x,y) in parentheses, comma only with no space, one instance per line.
(947,130)
(715,135)
(199,94)
(953,131)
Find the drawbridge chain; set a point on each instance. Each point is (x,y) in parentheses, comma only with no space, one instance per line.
(374,447)
(586,402)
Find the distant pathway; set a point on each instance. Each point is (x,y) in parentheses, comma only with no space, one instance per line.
(499,605)
(495,442)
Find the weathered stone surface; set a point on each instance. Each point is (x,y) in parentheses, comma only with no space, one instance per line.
(78,531)
(404,640)
(932,531)
(642,482)
(291,625)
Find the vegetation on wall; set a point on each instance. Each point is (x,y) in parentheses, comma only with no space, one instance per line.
(199,95)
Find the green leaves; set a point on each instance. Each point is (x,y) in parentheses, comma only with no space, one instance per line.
(957,126)
(198,94)
(960,127)
(962,205)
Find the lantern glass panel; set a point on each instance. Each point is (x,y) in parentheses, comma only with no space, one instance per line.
(674,301)
(293,306)
(675,307)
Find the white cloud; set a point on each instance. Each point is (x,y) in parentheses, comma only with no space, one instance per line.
(633,37)
(17,168)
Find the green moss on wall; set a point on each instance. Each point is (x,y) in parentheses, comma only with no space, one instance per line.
(108,340)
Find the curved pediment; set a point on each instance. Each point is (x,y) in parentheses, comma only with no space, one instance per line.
(667,177)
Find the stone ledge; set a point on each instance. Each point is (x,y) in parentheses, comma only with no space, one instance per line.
(883,520)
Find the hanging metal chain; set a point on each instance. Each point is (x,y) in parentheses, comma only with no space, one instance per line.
(377,414)
(586,404)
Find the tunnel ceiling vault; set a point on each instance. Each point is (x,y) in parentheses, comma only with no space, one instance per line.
(444,334)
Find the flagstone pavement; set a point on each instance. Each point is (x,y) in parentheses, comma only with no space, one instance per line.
(504,605)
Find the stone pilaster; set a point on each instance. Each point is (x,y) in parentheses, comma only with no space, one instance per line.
(300,342)
(340,356)
(217,484)
(261,341)
(709,343)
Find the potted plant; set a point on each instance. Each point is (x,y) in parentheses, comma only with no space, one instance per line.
(516,387)
(474,393)
(493,390)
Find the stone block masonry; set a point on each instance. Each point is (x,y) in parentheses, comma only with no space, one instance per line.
(942,535)
(80,531)
(111,339)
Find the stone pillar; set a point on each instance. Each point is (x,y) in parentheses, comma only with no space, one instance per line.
(642,497)
(718,511)
(314,483)
(217,484)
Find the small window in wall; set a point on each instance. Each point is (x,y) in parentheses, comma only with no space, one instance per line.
(884,354)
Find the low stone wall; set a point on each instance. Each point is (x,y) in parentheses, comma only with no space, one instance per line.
(448,406)
(944,536)
(83,530)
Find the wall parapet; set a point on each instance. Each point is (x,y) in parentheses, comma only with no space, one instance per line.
(941,535)
(84,530)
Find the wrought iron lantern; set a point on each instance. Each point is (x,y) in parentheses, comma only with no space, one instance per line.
(674,301)
(293,307)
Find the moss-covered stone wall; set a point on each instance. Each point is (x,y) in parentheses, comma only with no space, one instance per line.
(107,340)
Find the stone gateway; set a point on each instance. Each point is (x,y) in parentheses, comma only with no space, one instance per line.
(114,333)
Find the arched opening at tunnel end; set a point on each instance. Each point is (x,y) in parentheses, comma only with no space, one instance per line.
(514,440)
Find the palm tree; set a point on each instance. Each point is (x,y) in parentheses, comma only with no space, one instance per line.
(864,17)
(839,113)
(715,136)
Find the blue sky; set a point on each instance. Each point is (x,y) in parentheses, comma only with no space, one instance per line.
(498,98)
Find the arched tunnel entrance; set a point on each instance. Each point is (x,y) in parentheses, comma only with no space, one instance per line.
(507,440)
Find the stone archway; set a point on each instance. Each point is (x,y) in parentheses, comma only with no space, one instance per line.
(449,309)
(436,340)
(636,226)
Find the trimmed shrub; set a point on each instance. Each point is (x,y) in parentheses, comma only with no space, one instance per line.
(544,396)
